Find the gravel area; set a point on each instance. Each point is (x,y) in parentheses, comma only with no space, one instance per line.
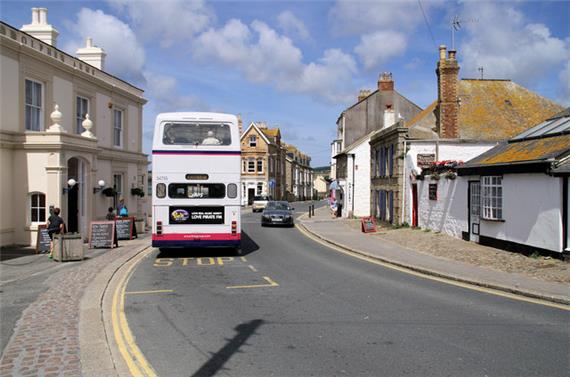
(447,247)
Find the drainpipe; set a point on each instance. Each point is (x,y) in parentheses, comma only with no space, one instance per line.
(404,182)
(352,156)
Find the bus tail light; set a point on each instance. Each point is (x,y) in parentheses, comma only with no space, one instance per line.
(234,227)
(159,227)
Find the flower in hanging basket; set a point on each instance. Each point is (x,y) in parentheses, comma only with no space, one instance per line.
(450,175)
(435,176)
(109,191)
(137,192)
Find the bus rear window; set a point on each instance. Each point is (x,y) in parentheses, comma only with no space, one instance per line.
(196,134)
(196,190)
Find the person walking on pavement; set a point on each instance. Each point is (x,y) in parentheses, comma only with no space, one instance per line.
(55,225)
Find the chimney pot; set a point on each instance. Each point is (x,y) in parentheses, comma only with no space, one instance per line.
(442,49)
(89,42)
(35,16)
(385,83)
(43,16)
(452,54)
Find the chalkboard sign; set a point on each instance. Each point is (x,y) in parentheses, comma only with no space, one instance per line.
(43,241)
(102,234)
(125,227)
(368,224)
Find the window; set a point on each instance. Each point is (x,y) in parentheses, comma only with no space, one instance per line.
(492,197)
(197,190)
(251,166)
(37,208)
(253,141)
(33,106)
(260,166)
(391,160)
(118,183)
(196,134)
(433,191)
(244,167)
(118,128)
(232,191)
(81,109)
(259,188)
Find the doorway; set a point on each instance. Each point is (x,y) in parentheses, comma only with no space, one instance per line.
(250,195)
(414,205)
(76,196)
(474,195)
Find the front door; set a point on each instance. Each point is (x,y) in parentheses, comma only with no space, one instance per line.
(474,210)
(250,195)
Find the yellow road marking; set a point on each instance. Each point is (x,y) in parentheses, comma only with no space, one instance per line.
(243,259)
(252,268)
(266,278)
(149,292)
(135,360)
(472,287)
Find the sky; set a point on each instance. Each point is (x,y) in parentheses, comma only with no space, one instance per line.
(298,64)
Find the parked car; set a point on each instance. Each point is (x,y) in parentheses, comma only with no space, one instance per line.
(277,213)
(259,203)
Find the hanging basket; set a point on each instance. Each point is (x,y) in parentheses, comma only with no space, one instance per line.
(137,192)
(109,191)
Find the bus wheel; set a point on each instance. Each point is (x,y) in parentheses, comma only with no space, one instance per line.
(238,251)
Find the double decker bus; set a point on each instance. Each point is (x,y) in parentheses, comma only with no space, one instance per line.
(196,181)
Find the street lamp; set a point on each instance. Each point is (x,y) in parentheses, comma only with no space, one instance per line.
(70,183)
(99,187)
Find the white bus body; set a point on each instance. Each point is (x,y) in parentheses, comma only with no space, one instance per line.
(196,181)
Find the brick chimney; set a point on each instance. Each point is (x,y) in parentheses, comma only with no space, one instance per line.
(91,54)
(447,113)
(40,29)
(385,82)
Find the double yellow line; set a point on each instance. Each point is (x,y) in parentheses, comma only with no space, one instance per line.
(135,360)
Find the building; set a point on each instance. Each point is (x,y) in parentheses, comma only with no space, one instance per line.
(515,196)
(321,179)
(263,163)
(373,113)
(298,174)
(469,117)
(70,134)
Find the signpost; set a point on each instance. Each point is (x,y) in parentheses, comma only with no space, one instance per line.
(368,224)
(43,242)
(124,226)
(425,160)
(102,234)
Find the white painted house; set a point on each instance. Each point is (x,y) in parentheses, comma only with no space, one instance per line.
(518,193)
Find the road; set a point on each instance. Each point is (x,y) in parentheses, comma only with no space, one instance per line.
(292,307)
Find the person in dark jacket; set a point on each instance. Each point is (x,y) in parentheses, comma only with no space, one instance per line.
(55,225)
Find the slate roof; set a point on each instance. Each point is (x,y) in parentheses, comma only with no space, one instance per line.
(545,144)
(490,110)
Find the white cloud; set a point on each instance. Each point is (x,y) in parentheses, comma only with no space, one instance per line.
(380,46)
(265,56)
(291,25)
(125,55)
(169,21)
(348,17)
(565,84)
(165,95)
(508,46)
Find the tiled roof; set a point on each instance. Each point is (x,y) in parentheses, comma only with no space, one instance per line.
(270,132)
(491,110)
(534,150)
(499,109)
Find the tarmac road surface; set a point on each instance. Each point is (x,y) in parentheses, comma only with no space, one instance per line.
(292,307)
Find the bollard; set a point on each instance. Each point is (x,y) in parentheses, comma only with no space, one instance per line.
(309,211)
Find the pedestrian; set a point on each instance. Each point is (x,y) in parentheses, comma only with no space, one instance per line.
(55,225)
(124,211)
(110,214)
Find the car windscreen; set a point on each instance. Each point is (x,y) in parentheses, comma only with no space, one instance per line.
(196,190)
(260,198)
(196,134)
(277,205)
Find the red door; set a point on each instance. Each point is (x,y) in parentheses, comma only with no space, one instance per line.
(414,205)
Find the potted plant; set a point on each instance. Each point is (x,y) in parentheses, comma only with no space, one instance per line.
(435,176)
(450,175)
(109,191)
(137,192)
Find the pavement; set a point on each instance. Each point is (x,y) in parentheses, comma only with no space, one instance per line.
(338,233)
(63,329)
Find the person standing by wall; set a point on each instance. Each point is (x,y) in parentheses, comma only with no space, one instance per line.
(55,225)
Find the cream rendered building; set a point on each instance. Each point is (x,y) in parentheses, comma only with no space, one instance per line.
(47,141)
